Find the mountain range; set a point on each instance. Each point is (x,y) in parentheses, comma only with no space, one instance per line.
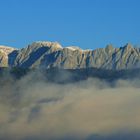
(44,54)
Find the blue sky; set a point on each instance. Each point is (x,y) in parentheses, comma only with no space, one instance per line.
(85,23)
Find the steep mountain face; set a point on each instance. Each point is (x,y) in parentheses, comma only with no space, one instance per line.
(51,55)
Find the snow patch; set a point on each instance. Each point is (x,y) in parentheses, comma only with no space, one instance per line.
(74,48)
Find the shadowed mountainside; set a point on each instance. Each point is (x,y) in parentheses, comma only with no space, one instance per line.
(56,75)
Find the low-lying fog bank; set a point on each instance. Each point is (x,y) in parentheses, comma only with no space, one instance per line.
(33,109)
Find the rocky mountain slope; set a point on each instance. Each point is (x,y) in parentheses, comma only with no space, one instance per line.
(43,54)
(4,55)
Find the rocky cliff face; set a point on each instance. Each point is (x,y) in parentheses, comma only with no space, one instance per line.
(4,55)
(52,54)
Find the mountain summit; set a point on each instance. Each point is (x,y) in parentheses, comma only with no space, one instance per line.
(44,54)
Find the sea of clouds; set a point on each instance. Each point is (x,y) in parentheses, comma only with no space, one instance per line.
(34,109)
